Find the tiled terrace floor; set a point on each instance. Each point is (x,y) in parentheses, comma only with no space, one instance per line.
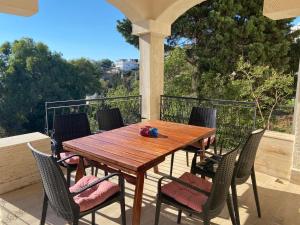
(280,203)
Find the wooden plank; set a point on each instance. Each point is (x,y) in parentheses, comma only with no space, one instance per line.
(96,152)
(126,151)
(163,141)
(134,144)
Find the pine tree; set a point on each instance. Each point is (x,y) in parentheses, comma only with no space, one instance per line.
(216,33)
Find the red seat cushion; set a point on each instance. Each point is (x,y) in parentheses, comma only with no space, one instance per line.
(186,196)
(72,161)
(94,195)
(212,139)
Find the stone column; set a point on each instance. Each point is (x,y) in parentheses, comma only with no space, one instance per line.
(151,73)
(295,175)
(151,43)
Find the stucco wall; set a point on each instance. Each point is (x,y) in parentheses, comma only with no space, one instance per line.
(275,154)
(17,165)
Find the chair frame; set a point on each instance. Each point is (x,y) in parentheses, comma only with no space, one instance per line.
(209,121)
(208,213)
(115,114)
(239,178)
(75,212)
(57,149)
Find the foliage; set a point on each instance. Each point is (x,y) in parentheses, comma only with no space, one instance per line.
(217,32)
(178,74)
(266,86)
(31,75)
(103,65)
(122,90)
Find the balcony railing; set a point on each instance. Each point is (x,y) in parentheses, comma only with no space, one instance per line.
(235,119)
(130,107)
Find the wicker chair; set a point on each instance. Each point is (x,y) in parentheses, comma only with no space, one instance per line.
(198,196)
(109,119)
(244,168)
(203,117)
(67,127)
(74,202)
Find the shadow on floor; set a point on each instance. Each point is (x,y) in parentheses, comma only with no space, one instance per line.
(279,207)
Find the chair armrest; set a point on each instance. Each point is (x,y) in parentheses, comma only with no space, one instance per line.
(98,131)
(54,147)
(121,183)
(71,156)
(182,183)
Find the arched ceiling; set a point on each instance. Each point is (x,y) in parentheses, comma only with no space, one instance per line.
(163,11)
(19,7)
(281,9)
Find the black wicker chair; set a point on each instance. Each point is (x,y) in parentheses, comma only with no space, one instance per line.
(244,168)
(57,193)
(67,127)
(203,117)
(109,119)
(216,197)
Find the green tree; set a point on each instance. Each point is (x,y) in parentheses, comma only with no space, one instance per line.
(217,32)
(178,73)
(103,65)
(266,86)
(31,75)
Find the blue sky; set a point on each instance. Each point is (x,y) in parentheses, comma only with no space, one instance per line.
(75,28)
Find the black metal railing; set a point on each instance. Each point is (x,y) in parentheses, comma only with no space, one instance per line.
(282,119)
(235,119)
(130,107)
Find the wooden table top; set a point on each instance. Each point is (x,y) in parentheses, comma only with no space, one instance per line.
(127,150)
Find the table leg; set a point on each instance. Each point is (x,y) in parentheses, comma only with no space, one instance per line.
(155,168)
(138,196)
(79,170)
(202,153)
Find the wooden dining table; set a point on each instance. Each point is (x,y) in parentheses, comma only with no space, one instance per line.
(126,151)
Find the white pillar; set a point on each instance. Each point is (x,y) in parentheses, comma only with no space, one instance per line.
(151,73)
(295,175)
(151,43)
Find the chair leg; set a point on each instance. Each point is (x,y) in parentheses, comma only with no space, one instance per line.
(93,218)
(231,210)
(123,213)
(92,170)
(194,161)
(68,176)
(187,158)
(235,203)
(75,221)
(206,221)
(179,216)
(172,162)
(157,213)
(253,178)
(96,171)
(44,212)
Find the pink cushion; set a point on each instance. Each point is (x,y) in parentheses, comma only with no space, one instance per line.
(94,195)
(212,139)
(186,196)
(73,160)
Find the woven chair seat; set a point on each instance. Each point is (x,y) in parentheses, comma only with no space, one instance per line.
(95,195)
(186,196)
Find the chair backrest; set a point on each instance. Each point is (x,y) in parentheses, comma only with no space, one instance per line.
(247,156)
(70,126)
(109,119)
(221,183)
(55,185)
(204,117)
